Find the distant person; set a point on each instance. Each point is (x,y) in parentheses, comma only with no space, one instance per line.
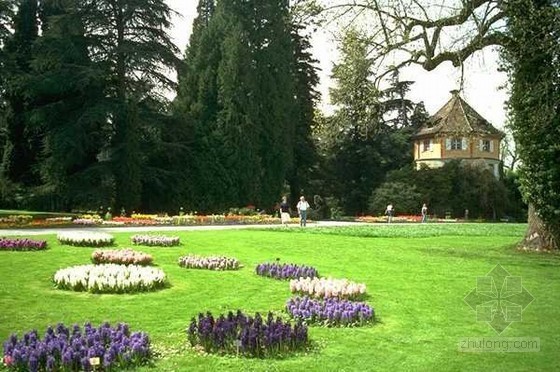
(302,207)
(424,213)
(389,212)
(285,211)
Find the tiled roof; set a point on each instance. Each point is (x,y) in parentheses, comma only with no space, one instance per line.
(459,118)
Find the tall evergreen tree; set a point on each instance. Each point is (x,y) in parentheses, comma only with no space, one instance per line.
(306,96)
(136,53)
(23,146)
(237,94)
(197,106)
(68,91)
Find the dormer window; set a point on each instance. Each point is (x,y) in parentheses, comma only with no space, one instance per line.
(427,145)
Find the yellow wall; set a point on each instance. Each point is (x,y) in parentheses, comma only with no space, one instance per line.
(438,150)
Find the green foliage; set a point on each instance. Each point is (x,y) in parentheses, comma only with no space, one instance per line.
(87,120)
(355,95)
(455,187)
(245,93)
(533,61)
(23,145)
(404,197)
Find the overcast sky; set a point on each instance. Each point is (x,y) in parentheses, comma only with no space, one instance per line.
(481,83)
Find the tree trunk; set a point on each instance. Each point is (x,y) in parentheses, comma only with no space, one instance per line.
(538,237)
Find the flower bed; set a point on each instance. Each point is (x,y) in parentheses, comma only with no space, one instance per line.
(286,271)
(110,278)
(383,219)
(330,312)
(210,263)
(85,239)
(156,240)
(245,335)
(327,287)
(16,220)
(21,244)
(64,349)
(88,220)
(121,256)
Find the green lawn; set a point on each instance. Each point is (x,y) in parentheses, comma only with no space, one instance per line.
(416,276)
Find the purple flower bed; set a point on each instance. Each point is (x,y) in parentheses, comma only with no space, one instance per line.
(286,271)
(21,244)
(240,334)
(62,349)
(330,312)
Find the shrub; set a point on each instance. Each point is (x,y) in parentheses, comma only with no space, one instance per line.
(121,256)
(85,239)
(210,263)
(110,278)
(286,271)
(330,312)
(246,335)
(62,349)
(327,287)
(22,244)
(155,240)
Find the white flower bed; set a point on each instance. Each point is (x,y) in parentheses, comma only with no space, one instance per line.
(210,263)
(85,239)
(110,278)
(155,240)
(327,287)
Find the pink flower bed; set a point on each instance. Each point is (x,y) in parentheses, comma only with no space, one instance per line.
(121,256)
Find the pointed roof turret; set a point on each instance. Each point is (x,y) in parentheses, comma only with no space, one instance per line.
(457,117)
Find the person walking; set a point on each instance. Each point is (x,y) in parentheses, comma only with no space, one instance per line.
(285,211)
(302,207)
(424,213)
(389,212)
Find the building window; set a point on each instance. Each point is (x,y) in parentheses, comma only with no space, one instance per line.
(486,145)
(427,145)
(456,144)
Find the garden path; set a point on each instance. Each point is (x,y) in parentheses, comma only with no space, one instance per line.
(46,231)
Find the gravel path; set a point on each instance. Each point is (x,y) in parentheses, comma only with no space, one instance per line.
(37,231)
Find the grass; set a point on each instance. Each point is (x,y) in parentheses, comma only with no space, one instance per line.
(417,277)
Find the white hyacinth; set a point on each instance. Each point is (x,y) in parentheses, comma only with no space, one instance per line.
(85,239)
(110,278)
(327,287)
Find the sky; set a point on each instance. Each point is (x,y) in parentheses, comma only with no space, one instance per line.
(481,86)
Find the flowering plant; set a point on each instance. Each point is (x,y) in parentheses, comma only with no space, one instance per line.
(62,349)
(286,271)
(211,263)
(155,240)
(88,220)
(246,335)
(120,256)
(330,311)
(110,278)
(327,287)
(85,239)
(21,244)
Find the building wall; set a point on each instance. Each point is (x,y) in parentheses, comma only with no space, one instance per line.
(473,148)
(438,152)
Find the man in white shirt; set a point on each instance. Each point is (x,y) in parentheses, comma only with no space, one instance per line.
(302,207)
